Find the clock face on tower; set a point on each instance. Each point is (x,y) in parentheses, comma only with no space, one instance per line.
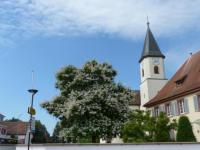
(156,61)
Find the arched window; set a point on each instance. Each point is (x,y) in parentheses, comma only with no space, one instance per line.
(156,70)
(142,72)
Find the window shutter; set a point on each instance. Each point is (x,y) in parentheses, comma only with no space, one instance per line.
(186,108)
(173,109)
(153,112)
(195,98)
(176,108)
(161,108)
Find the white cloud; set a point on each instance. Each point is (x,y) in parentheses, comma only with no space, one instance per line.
(124,18)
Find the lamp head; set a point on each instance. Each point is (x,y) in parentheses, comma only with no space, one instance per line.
(33,91)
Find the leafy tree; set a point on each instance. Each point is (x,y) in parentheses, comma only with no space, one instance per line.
(90,103)
(41,134)
(185,132)
(56,137)
(163,127)
(13,119)
(142,127)
(135,129)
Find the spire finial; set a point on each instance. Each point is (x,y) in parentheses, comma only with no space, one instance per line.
(148,21)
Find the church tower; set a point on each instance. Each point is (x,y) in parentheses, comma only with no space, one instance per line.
(152,70)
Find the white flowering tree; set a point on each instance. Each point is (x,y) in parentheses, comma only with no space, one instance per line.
(90,103)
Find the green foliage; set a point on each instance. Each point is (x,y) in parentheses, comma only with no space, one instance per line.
(185,132)
(13,119)
(41,134)
(142,127)
(86,139)
(162,128)
(90,103)
(135,129)
(10,141)
(55,137)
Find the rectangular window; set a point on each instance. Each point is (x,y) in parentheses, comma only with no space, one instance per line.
(156,110)
(168,109)
(181,106)
(199,103)
(196,100)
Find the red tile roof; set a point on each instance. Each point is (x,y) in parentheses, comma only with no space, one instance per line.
(185,81)
(15,128)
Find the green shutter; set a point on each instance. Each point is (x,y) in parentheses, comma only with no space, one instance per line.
(195,99)
(186,108)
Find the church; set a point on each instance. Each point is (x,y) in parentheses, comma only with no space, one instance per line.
(178,96)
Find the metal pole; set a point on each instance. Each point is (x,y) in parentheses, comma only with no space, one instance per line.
(33,92)
(30,122)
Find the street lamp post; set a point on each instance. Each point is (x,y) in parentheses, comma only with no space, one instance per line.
(31,111)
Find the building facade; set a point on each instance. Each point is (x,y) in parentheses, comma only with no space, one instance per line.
(3,133)
(176,97)
(16,130)
(13,131)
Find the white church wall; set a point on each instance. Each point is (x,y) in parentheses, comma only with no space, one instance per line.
(145,65)
(154,87)
(148,64)
(154,61)
(149,89)
(134,107)
(144,94)
(151,83)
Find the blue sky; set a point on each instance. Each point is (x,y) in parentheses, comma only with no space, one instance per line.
(45,35)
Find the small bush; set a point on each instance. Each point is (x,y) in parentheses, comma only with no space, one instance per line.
(185,132)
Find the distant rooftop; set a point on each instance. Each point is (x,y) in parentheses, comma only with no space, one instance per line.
(15,128)
(136,98)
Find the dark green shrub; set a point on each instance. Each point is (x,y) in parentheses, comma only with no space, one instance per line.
(162,128)
(185,132)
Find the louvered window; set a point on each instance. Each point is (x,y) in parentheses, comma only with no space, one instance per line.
(156,70)
(196,103)
(156,110)
(181,106)
(168,109)
(199,102)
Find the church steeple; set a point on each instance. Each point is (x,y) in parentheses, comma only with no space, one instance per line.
(152,69)
(151,48)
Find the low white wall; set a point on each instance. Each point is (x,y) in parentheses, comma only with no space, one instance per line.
(151,146)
